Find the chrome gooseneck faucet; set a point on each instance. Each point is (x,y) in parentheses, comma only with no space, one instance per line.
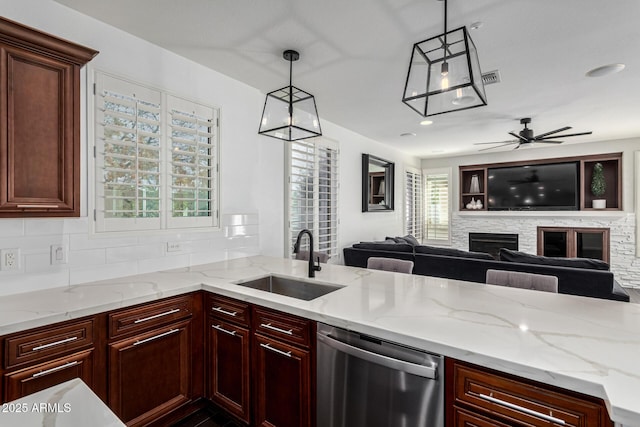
(296,248)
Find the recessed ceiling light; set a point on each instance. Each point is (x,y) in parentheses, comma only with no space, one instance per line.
(408,134)
(605,70)
(426,122)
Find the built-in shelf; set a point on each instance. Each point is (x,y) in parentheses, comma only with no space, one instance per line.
(612,167)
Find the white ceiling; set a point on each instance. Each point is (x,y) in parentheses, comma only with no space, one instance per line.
(355,55)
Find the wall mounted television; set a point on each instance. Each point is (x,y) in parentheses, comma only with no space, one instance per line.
(542,187)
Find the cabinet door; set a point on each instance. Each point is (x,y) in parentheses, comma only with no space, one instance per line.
(40,140)
(228,365)
(282,384)
(150,374)
(35,378)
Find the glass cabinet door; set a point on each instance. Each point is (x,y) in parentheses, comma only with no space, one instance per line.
(555,243)
(568,242)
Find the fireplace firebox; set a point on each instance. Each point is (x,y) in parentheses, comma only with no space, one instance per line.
(492,242)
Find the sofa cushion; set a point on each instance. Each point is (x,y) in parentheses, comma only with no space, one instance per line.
(409,239)
(515,256)
(433,250)
(384,246)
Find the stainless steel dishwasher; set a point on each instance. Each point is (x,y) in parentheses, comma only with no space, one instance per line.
(367,382)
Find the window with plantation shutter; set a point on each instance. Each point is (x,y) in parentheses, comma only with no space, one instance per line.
(437,204)
(155,159)
(193,170)
(414,202)
(313,194)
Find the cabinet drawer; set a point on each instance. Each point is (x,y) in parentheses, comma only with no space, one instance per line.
(228,309)
(524,402)
(285,327)
(43,344)
(35,378)
(149,316)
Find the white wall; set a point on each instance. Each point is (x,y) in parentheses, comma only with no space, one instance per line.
(624,264)
(252,175)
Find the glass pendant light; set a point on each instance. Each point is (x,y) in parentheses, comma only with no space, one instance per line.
(290,113)
(444,74)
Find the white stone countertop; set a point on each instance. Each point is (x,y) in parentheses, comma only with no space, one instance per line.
(70,404)
(584,344)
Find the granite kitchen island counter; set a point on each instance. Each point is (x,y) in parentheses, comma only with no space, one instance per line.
(583,344)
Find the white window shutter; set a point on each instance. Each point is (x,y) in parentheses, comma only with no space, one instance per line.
(437,206)
(414,204)
(313,193)
(128,146)
(193,164)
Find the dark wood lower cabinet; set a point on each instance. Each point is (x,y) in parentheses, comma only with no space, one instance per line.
(228,356)
(283,384)
(150,374)
(477,396)
(35,378)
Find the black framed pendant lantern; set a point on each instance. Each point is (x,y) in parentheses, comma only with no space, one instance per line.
(290,113)
(444,74)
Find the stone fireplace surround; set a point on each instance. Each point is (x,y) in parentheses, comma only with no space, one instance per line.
(624,264)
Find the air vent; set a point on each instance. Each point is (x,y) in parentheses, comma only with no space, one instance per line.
(491,77)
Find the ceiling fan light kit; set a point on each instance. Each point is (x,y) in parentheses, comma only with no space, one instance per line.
(444,74)
(290,113)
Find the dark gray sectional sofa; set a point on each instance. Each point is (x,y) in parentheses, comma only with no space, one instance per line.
(576,276)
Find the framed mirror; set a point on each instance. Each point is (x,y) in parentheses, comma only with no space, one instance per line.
(377,184)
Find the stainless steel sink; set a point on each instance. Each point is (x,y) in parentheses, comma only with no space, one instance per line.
(290,287)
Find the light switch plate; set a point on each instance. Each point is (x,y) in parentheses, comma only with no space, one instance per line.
(59,254)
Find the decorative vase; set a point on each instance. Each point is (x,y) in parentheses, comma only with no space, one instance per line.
(475,184)
(599,203)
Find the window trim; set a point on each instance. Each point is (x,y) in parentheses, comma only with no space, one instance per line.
(92,164)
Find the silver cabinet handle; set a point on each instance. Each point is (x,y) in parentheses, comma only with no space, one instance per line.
(43,346)
(274,328)
(155,316)
(430,372)
(221,310)
(173,331)
(522,409)
(268,347)
(221,329)
(57,368)
(38,206)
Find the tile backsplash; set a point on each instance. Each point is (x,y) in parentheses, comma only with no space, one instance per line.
(91,258)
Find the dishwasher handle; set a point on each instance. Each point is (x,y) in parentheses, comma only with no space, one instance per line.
(389,362)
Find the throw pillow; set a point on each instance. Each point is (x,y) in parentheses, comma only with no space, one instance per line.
(515,256)
(433,250)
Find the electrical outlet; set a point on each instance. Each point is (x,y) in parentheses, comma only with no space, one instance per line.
(58,254)
(9,259)
(173,247)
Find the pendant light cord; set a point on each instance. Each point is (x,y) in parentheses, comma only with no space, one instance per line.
(445,32)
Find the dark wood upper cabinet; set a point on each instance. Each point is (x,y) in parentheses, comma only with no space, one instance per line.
(39,122)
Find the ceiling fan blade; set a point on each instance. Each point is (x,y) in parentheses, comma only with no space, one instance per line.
(521,138)
(511,141)
(549,142)
(497,146)
(570,134)
(542,135)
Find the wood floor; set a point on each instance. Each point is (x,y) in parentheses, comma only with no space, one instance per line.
(208,417)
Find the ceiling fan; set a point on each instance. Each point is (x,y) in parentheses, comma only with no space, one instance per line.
(526,137)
